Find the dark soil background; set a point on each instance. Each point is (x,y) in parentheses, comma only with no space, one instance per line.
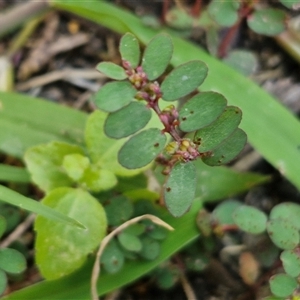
(79,44)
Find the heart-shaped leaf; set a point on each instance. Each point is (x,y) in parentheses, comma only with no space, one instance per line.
(228,149)
(183,80)
(128,120)
(282,285)
(212,135)
(268,21)
(130,49)
(250,219)
(291,262)
(12,261)
(180,188)
(283,234)
(61,249)
(157,56)
(201,110)
(114,95)
(142,148)
(111,70)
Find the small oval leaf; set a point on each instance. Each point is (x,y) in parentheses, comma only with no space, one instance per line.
(114,95)
(130,49)
(157,56)
(212,135)
(180,188)
(201,110)
(12,261)
(282,285)
(130,242)
(228,149)
(222,214)
(250,219)
(150,249)
(183,80)
(283,234)
(112,70)
(142,148)
(128,120)
(268,21)
(291,262)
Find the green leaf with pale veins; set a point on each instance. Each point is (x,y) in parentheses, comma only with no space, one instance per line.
(201,110)
(112,70)
(180,188)
(183,80)
(130,49)
(114,95)
(128,120)
(228,149)
(157,56)
(61,249)
(142,148)
(213,134)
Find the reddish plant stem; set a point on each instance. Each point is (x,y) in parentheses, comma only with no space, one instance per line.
(197,9)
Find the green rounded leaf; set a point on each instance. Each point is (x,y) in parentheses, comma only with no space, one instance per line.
(157,56)
(114,95)
(130,49)
(250,219)
(269,21)
(135,229)
(223,213)
(2,225)
(283,234)
(60,248)
(150,249)
(142,148)
(112,257)
(180,188)
(112,70)
(130,242)
(201,110)
(288,211)
(183,80)
(212,135)
(157,232)
(3,281)
(282,285)
(75,165)
(228,149)
(128,120)
(291,262)
(118,210)
(12,261)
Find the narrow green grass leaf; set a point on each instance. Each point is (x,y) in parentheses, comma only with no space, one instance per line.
(14,174)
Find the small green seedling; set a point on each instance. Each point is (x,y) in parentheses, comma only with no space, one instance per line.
(203,128)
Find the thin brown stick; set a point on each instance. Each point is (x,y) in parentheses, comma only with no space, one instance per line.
(105,241)
(189,292)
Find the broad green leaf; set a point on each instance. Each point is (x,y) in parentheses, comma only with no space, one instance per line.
(228,149)
(291,262)
(282,285)
(142,148)
(130,49)
(201,110)
(114,95)
(180,187)
(250,219)
(224,12)
(288,211)
(61,249)
(112,70)
(268,21)
(150,248)
(3,281)
(26,121)
(222,214)
(283,234)
(9,196)
(212,135)
(12,261)
(130,242)
(183,80)
(75,165)
(128,120)
(14,174)
(44,162)
(103,150)
(157,56)
(290,3)
(2,225)
(112,258)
